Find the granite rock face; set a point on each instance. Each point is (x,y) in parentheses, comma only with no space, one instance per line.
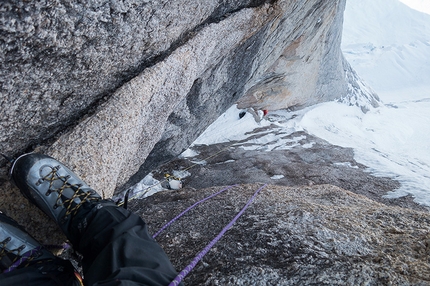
(61,59)
(316,235)
(114,87)
(309,68)
(307,59)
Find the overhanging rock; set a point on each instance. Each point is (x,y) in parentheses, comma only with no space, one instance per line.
(110,146)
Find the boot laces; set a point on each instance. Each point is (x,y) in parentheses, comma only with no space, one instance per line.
(18,257)
(69,203)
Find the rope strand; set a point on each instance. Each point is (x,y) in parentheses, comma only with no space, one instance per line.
(24,257)
(199,256)
(189,208)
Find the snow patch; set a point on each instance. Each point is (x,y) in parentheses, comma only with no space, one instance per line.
(229,127)
(189,153)
(145,188)
(181,174)
(225,162)
(277,177)
(345,164)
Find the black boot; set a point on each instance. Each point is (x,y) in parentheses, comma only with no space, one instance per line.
(56,190)
(24,261)
(114,242)
(17,248)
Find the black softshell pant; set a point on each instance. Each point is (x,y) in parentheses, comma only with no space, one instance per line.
(116,247)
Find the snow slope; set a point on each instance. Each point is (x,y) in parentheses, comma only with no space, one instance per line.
(388,44)
(420,5)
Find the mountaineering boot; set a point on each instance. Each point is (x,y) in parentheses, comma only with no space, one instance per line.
(24,261)
(17,248)
(56,190)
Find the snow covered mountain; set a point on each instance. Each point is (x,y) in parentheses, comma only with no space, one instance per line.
(388,44)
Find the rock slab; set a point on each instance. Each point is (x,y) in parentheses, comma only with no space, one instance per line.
(316,235)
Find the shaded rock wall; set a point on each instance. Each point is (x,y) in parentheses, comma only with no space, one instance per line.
(317,235)
(308,69)
(99,84)
(60,59)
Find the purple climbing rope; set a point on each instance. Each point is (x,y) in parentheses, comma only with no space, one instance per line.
(22,259)
(189,208)
(199,256)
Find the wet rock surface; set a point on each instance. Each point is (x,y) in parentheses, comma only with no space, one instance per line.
(307,235)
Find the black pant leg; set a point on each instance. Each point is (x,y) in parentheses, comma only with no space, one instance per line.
(118,250)
(56,272)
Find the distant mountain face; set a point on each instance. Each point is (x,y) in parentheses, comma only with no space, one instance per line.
(388,44)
